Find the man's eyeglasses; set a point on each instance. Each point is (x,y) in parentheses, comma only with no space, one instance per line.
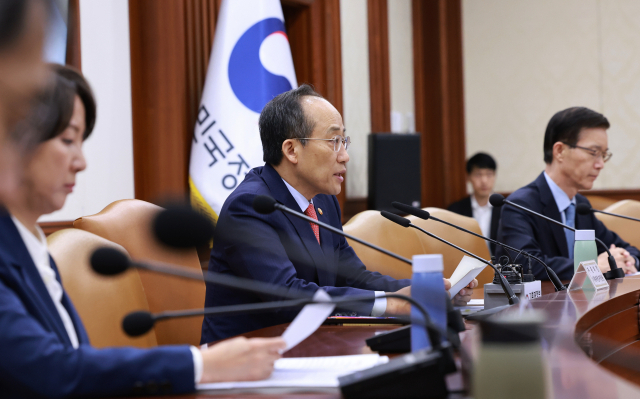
(338,141)
(606,155)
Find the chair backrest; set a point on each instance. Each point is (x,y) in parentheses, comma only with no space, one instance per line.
(628,230)
(451,256)
(101,302)
(598,202)
(372,227)
(128,223)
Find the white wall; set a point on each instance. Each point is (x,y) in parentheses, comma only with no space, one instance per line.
(526,60)
(401,63)
(355,91)
(104,35)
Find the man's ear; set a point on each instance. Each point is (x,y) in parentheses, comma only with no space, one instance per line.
(290,150)
(559,151)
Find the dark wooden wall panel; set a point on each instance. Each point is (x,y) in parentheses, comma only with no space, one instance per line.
(73,57)
(379,84)
(437,38)
(159,98)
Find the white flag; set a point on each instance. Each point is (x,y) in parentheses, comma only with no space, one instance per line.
(250,64)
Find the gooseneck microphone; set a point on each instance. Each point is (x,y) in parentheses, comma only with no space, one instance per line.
(404,222)
(425,215)
(265,205)
(585,209)
(110,261)
(140,322)
(498,200)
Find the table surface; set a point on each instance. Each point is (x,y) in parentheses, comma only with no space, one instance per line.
(574,374)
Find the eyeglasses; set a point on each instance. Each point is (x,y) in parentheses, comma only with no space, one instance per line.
(605,155)
(338,141)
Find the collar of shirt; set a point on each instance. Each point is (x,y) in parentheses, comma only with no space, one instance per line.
(561,198)
(476,206)
(302,202)
(37,247)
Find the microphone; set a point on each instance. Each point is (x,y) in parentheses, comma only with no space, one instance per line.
(585,209)
(396,340)
(266,205)
(110,261)
(182,227)
(498,200)
(404,222)
(140,322)
(422,214)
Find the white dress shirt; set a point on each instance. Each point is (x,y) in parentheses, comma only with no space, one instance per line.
(38,250)
(482,214)
(380,304)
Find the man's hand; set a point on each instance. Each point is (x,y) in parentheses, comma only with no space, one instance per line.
(396,306)
(241,359)
(623,258)
(464,296)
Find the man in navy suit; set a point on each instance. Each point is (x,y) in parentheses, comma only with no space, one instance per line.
(481,173)
(305,150)
(575,151)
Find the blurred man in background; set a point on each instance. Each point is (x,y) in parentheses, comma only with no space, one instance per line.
(481,173)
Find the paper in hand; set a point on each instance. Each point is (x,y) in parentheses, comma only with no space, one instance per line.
(308,320)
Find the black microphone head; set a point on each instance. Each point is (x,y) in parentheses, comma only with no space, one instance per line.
(496,199)
(137,323)
(411,210)
(182,227)
(583,209)
(264,204)
(404,222)
(109,261)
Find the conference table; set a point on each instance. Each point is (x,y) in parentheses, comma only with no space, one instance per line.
(591,341)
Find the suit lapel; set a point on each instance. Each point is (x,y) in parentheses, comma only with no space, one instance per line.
(550,209)
(584,222)
(281,194)
(31,282)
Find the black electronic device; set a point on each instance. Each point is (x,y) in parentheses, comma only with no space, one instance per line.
(413,375)
(585,209)
(394,170)
(498,200)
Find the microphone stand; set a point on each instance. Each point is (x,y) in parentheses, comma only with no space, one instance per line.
(550,272)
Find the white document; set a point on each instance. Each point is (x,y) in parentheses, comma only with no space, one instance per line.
(306,372)
(467,270)
(308,320)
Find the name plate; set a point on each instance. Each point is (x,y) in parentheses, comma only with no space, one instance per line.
(590,271)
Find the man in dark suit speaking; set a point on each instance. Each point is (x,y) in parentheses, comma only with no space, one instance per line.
(481,173)
(305,151)
(575,151)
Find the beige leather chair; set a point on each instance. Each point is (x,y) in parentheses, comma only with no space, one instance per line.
(101,302)
(127,222)
(452,256)
(372,227)
(598,202)
(628,230)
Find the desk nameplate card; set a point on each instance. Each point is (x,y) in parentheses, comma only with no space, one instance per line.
(588,277)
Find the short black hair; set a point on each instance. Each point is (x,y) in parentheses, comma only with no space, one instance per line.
(565,127)
(481,160)
(283,118)
(54,107)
